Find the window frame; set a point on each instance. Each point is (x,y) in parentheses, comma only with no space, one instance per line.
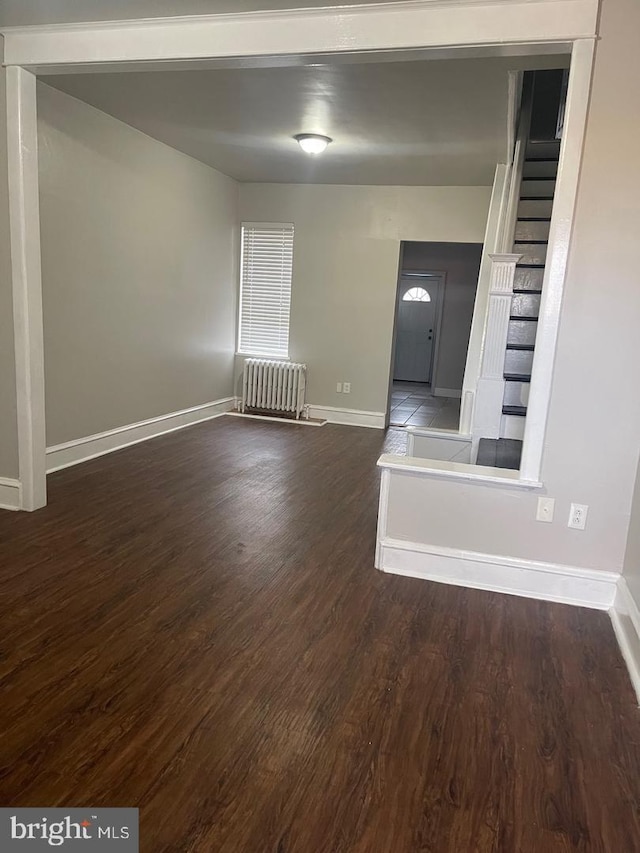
(261,353)
(417,288)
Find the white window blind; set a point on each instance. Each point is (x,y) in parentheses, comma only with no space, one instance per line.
(265,288)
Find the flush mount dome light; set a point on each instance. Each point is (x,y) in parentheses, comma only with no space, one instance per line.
(312,143)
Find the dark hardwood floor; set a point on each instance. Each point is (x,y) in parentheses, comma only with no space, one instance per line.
(193,626)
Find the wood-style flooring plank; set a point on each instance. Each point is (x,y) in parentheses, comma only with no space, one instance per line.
(194,626)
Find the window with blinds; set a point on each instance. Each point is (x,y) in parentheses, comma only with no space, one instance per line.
(265,288)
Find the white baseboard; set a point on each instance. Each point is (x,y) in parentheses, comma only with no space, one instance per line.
(10,493)
(350,417)
(625,617)
(447,392)
(82,449)
(527,578)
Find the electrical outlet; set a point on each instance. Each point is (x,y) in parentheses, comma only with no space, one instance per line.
(339,387)
(578,516)
(346,387)
(545,509)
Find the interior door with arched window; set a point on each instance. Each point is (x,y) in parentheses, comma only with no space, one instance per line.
(416,328)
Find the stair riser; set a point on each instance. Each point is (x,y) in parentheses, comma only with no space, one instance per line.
(532,231)
(522,333)
(545,169)
(518,362)
(537,188)
(525,305)
(542,149)
(535,208)
(531,253)
(516,393)
(528,279)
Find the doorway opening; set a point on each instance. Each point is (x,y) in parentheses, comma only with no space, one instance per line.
(433,311)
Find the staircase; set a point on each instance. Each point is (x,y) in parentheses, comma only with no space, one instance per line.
(517,275)
(531,237)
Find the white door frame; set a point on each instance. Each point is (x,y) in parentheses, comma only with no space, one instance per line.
(410,29)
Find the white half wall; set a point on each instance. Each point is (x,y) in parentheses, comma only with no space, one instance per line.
(345,270)
(139,268)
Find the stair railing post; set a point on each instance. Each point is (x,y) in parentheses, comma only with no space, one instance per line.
(490,391)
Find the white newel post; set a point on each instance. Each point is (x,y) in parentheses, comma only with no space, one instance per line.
(490,393)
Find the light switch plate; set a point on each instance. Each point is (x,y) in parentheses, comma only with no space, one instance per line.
(545,509)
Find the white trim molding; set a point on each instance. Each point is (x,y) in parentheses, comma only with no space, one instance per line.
(349,417)
(10,493)
(527,578)
(24,222)
(412,24)
(484,475)
(625,617)
(82,449)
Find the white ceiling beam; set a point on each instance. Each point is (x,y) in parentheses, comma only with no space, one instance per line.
(413,24)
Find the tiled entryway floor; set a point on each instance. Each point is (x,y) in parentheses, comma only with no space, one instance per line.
(413,404)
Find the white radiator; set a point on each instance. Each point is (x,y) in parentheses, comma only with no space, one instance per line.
(276,386)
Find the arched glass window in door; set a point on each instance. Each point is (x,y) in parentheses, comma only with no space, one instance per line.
(416,294)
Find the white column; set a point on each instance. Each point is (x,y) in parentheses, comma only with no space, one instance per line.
(24,220)
(575,122)
(490,393)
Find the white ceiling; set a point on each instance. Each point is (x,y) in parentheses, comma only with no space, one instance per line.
(439,122)
(15,13)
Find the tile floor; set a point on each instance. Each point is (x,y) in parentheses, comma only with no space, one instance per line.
(413,404)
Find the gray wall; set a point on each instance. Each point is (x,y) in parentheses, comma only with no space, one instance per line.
(345,271)
(593,430)
(461,262)
(139,248)
(8,423)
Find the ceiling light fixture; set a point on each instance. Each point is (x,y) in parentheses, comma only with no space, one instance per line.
(312,143)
